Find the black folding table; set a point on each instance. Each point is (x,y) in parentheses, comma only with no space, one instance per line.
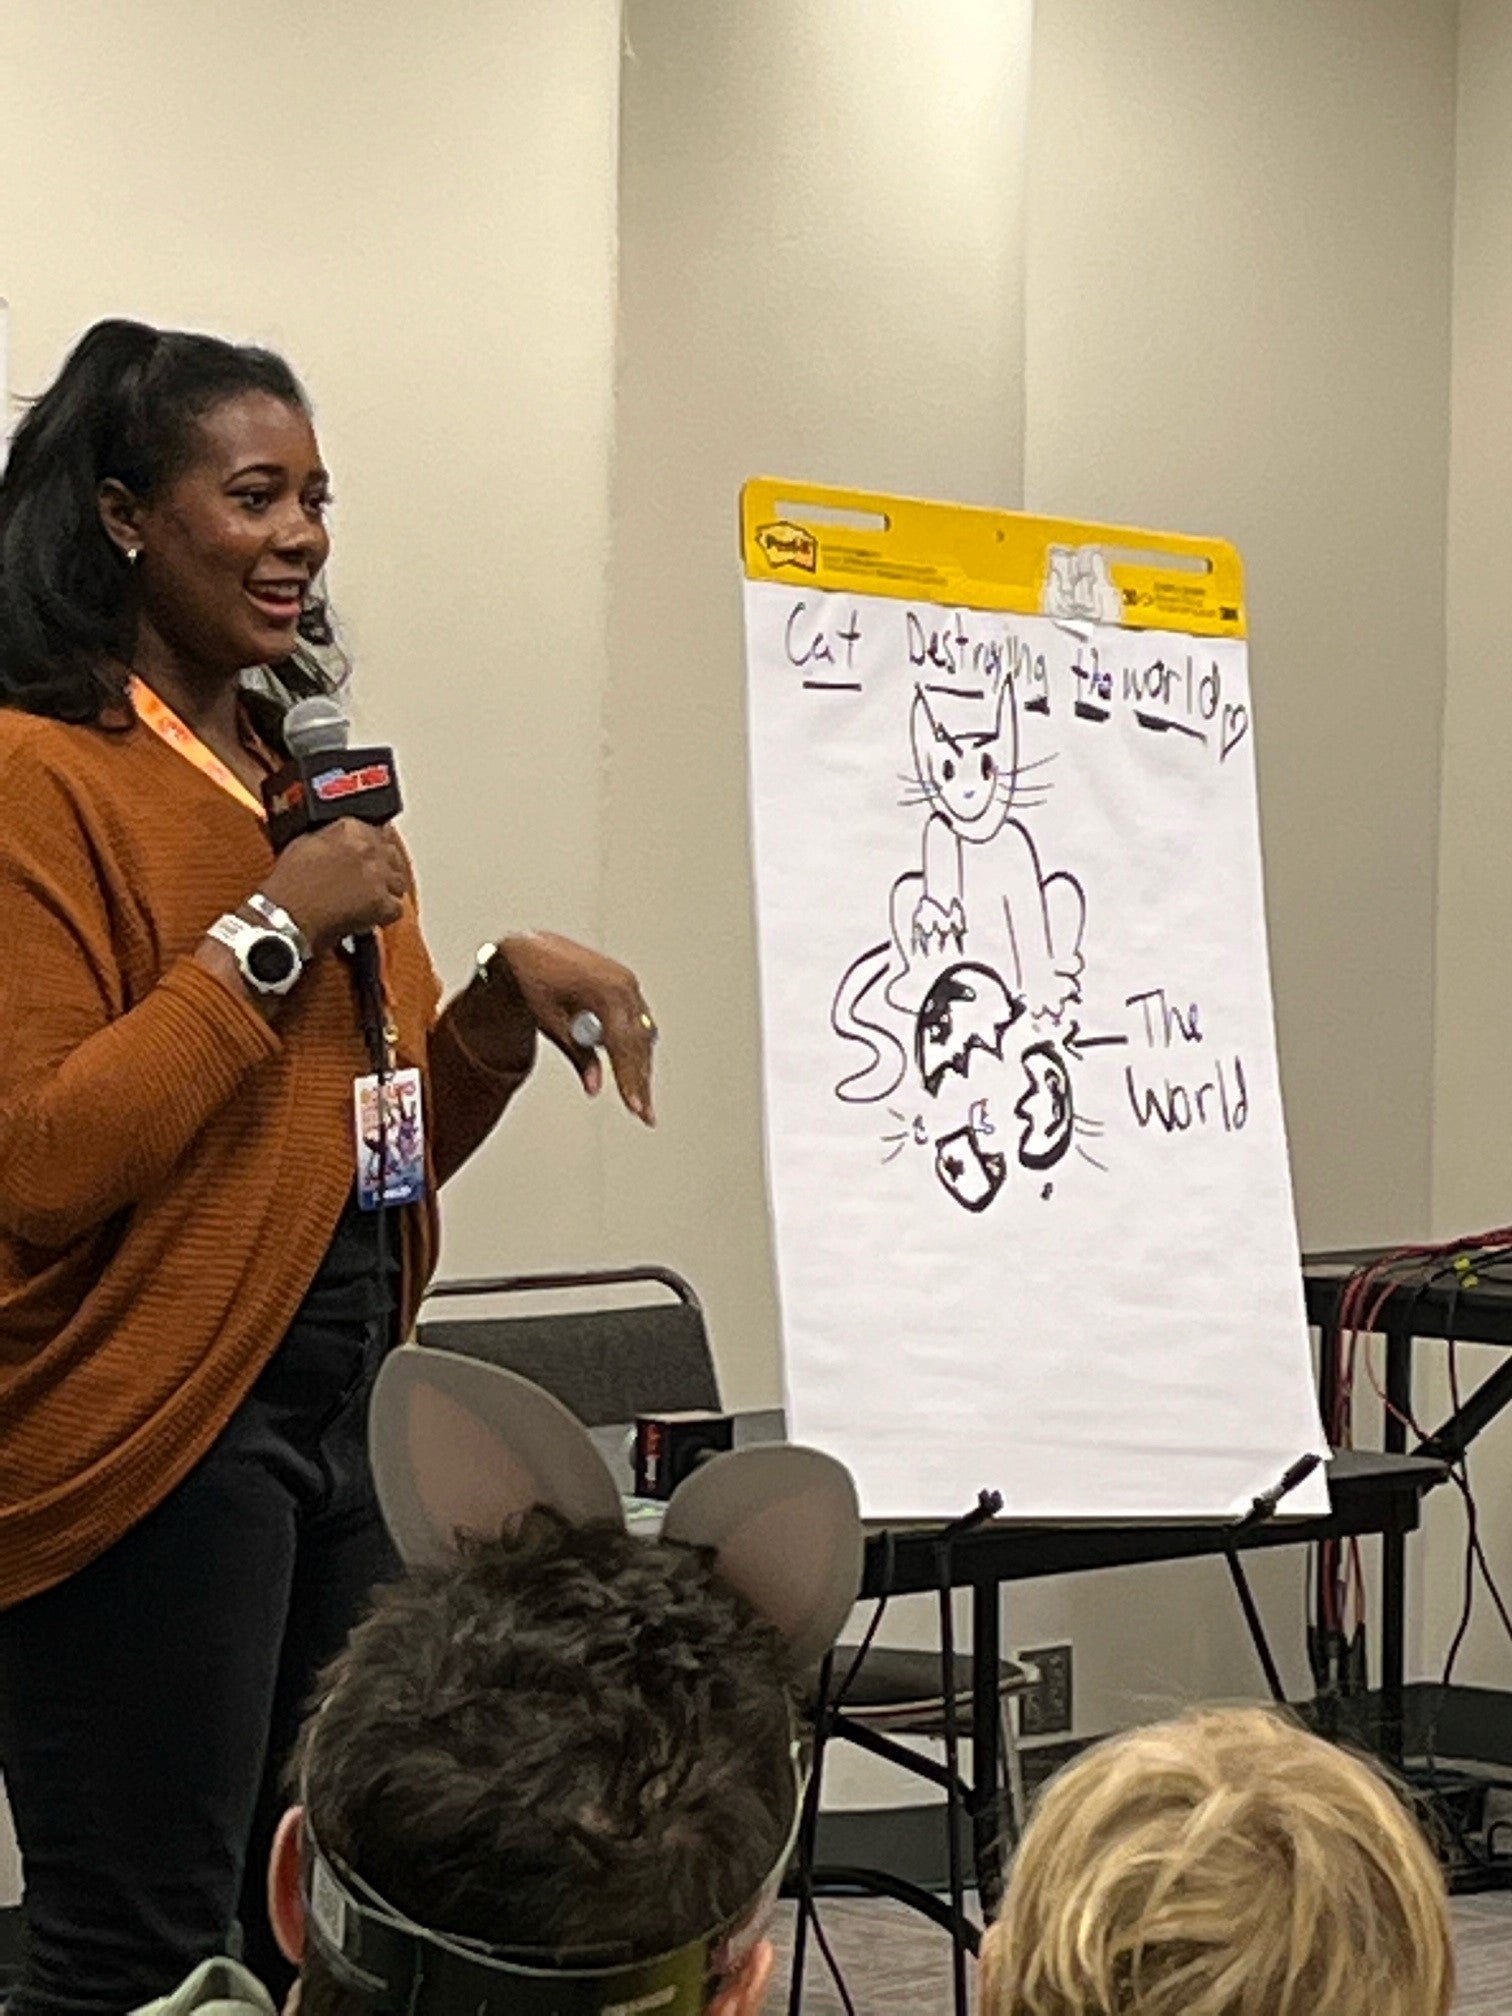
(1371,1493)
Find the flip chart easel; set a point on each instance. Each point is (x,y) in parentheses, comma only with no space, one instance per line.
(1025,1144)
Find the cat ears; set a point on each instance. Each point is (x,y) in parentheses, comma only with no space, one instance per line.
(921,700)
(460,1447)
(960,743)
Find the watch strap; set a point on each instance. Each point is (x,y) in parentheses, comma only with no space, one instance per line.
(233,932)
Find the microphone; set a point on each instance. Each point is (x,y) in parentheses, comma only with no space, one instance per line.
(316,723)
(324,780)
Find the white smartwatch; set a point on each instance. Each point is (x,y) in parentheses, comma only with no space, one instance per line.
(274,914)
(267,958)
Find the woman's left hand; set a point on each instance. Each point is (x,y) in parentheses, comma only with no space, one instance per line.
(559,980)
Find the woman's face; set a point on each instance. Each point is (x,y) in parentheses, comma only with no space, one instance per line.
(230,547)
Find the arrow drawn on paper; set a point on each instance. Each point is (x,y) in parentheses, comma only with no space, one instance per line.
(1078,1045)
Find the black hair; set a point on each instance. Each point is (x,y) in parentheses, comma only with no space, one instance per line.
(124,406)
(568,1737)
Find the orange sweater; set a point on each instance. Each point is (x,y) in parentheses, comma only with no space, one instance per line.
(171,1168)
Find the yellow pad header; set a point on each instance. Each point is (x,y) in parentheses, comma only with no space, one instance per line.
(912,549)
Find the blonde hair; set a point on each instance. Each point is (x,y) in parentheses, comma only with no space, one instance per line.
(1226,1864)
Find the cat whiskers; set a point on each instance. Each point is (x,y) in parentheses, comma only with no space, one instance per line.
(1012,781)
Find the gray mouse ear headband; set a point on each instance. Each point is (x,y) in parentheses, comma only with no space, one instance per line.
(461,1447)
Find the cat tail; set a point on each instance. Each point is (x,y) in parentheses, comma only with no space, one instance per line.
(854,1019)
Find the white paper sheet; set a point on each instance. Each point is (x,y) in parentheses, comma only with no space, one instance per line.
(1028,1169)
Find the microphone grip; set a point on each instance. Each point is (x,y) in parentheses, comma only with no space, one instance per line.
(367,970)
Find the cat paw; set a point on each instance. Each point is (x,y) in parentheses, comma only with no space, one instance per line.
(934,927)
(1049,1001)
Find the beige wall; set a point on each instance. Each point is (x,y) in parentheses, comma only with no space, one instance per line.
(820,275)
(1239,240)
(1238,321)
(1472,1166)
(1234,267)
(1473,1092)
(425,222)
(1234,316)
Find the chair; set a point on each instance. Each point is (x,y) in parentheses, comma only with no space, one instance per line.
(896,1692)
(607,1366)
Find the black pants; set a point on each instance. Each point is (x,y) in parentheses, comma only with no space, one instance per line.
(148,1704)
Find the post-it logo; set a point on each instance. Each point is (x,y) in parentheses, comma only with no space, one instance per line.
(784,544)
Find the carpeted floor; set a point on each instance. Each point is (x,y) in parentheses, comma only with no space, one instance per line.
(896,1964)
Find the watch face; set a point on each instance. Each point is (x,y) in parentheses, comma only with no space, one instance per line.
(271,959)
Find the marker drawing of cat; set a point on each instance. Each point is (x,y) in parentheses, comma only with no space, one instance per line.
(980,892)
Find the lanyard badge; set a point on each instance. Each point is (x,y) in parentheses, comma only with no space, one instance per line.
(389,1117)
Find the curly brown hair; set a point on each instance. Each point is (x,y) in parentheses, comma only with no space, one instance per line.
(565,1738)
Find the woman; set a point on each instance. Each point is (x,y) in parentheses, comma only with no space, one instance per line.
(193,1301)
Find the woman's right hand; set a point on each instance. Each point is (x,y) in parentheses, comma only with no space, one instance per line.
(340,880)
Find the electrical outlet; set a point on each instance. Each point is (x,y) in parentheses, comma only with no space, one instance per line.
(1045,1708)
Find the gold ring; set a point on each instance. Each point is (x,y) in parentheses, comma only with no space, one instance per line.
(648,1025)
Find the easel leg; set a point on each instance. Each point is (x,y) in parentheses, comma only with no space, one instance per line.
(986,1739)
(808,1836)
(1256,1627)
(953,1815)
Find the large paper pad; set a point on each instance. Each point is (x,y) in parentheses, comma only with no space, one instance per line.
(1028,1168)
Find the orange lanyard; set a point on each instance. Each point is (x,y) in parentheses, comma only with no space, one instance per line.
(156,714)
